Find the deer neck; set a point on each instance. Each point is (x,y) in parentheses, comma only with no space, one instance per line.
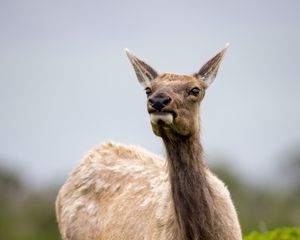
(191,193)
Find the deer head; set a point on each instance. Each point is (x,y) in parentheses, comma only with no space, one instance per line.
(172,99)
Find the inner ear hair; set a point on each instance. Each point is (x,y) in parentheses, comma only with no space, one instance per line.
(209,70)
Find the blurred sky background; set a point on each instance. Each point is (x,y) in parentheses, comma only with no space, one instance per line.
(66,84)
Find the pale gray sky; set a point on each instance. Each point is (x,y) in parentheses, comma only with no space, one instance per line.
(66,84)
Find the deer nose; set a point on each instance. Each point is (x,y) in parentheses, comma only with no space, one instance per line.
(159,103)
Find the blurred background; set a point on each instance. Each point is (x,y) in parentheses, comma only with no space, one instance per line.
(66,86)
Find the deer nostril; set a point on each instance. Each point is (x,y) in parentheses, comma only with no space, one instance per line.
(159,102)
(151,100)
(166,101)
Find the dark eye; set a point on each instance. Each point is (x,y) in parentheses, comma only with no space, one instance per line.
(148,91)
(195,91)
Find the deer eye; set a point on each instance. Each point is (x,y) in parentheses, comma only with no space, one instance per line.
(195,91)
(148,91)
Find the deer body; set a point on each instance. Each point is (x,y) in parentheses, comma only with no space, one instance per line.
(125,192)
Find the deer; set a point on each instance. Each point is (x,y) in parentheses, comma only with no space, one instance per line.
(125,192)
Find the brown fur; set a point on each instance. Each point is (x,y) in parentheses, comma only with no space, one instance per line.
(191,193)
(124,192)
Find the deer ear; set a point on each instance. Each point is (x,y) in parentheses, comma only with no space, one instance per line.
(208,72)
(144,72)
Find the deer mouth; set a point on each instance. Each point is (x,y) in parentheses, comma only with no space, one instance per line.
(162,117)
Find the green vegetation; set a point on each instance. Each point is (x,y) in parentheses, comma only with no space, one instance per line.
(278,234)
(25,213)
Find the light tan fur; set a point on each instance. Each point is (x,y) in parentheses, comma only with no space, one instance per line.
(123,192)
